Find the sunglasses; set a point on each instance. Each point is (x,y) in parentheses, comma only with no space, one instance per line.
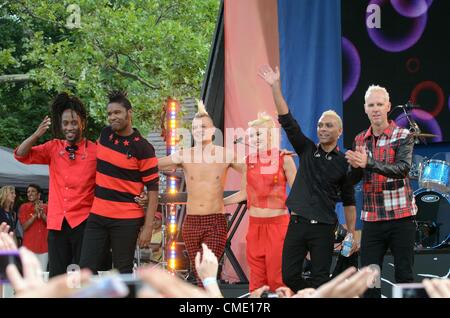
(71,150)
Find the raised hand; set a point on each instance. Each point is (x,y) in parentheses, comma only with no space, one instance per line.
(7,242)
(206,264)
(167,285)
(437,288)
(32,285)
(348,284)
(305,293)
(43,127)
(4,228)
(284,292)
(267,74)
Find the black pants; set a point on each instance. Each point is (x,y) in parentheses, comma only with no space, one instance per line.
(104,234)
(398,236)
(303,236)
(64,247)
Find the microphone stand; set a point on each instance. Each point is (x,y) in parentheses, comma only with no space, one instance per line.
(413,126)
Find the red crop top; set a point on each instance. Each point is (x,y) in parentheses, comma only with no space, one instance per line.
(266,186)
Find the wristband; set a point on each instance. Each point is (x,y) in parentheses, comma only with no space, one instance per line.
(209,281)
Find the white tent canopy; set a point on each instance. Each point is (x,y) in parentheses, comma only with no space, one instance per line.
(15,173)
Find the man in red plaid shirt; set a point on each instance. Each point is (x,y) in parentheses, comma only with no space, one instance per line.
(381,156)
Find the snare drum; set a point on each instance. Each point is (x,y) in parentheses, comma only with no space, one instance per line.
(434,175)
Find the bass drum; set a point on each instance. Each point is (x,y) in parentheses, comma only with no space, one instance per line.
(433,217)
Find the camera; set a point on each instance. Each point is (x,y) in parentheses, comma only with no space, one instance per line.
(413,290)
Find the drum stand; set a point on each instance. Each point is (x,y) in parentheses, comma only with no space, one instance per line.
(431,228)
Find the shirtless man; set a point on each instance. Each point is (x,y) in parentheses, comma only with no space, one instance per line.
(205,168)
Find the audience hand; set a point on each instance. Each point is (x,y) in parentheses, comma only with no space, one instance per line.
(166,285)
(208,265)
(347,284)
(437,288)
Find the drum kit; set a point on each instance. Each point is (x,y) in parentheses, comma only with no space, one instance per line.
(433,195)
(432,199)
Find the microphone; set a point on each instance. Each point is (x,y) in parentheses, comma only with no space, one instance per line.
(409,105)
(240,141)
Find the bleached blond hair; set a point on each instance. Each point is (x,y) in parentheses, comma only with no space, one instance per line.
(376,88)
(331,112)
(201,110)
(263,119)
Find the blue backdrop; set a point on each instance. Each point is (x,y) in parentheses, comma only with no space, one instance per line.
(310,63)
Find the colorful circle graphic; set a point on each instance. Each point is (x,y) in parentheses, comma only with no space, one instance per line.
(413,65)
(382,36)
(411,8)
(351,67)
(436,89)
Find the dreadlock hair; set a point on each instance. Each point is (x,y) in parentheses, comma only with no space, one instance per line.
(61,103)
(119,97)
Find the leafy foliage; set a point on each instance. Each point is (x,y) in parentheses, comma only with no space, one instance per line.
(151,48)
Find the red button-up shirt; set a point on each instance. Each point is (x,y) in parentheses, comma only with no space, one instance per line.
(35,237)
(72,182)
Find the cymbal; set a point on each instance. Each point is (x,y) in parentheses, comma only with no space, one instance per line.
(424,135)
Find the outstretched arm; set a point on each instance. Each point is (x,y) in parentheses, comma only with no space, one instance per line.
(293,131)
(26,145)
(170,162)
(273,79)
(241,195)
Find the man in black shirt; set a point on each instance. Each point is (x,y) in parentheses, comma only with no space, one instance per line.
(321,181)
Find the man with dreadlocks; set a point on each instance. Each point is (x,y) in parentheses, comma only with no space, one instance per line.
(71,162)
(126,163)
(205,168)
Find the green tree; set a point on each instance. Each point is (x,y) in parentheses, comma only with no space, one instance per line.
(150,48)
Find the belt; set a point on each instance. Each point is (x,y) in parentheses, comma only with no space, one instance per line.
(305,219)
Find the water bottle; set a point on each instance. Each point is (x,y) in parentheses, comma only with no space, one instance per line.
(347,245)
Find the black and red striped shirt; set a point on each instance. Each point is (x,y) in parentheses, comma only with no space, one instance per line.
(124,166)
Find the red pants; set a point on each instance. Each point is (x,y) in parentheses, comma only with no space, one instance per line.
(265,240)
(210,229)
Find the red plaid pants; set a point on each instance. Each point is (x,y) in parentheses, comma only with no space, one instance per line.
(210,229)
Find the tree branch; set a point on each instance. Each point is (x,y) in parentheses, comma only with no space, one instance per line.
(122,72)
(31,14)
(167,11)
(131,60)
(14,78)
(134,76)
